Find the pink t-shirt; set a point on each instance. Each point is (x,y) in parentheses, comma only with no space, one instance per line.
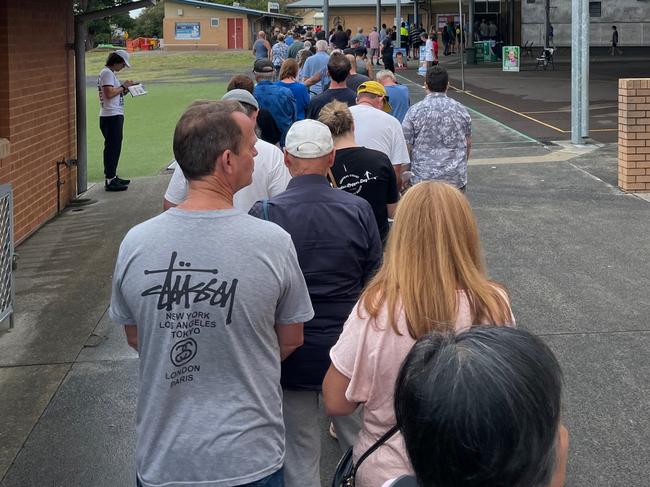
(373,38)
(370,354)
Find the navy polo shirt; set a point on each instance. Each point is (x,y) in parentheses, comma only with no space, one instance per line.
(339,249)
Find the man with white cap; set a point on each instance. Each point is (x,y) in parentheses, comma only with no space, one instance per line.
(111,116)
(338,246)
(270,176)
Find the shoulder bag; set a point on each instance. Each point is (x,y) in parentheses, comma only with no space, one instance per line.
(346,470)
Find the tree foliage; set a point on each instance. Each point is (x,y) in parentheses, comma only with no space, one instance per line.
(102,30)
(149,23)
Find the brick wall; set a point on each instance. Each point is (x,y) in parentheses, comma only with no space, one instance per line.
(634,134)
(37,107)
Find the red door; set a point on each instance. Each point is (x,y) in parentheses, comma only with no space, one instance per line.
(235,33)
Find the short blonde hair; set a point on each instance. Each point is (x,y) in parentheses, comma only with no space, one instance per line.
(338,118)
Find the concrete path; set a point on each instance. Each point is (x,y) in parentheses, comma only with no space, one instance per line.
(572,249)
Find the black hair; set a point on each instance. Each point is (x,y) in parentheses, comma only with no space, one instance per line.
(114,59)
(205,130)
(614,27)
(437,79)
(339,27)
(383,26)
(338,67)
(481,408)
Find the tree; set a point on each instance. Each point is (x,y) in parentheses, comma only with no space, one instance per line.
(149,23)
(101,30)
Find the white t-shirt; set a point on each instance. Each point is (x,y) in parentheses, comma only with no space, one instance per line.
(270,177)
(429,48)
(110,106)
(376,129)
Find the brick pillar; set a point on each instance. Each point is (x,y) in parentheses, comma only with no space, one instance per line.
(634,134)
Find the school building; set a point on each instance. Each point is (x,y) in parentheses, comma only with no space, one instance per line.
(37,109)
(193,24)
(362,13)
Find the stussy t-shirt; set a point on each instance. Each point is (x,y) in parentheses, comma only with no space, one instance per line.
(205,290)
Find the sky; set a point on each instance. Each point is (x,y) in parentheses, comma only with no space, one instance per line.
(135,13)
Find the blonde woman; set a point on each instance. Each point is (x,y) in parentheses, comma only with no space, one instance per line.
(358,170)
(432,279)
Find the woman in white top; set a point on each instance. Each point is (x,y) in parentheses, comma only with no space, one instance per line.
(432,279)
(111,116)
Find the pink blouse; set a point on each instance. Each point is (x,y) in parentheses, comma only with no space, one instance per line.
(370,354)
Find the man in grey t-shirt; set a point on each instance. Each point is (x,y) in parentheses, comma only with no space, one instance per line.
(213,300)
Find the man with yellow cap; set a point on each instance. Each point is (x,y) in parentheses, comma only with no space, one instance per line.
(375,129)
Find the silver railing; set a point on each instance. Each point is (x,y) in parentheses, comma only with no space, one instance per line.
(6,254)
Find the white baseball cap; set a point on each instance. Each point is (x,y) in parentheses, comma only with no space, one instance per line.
(309,139)
(124,55)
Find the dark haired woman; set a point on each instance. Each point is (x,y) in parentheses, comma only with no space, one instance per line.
(111,116)
(482,408)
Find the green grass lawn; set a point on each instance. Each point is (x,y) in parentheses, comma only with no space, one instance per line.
(173,80)
(175,67)
(148,127)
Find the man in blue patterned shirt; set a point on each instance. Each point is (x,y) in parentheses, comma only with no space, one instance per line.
(438,132)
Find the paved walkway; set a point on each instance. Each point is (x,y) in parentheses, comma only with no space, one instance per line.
(572,249)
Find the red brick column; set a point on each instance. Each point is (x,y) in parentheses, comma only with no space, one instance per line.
(634,134)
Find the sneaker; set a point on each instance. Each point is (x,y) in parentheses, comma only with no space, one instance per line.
(125,182)
(115,185)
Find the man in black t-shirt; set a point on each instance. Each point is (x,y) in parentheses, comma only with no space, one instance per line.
(366,173)
(338,69)
(340,38)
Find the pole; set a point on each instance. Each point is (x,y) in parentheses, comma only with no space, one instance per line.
(511,22)
(461,45)
(415,13)
(378,16)
(576,71)
(326,18)
(398,23)
(470,23)
(547,28)
(80,97)
(584,23)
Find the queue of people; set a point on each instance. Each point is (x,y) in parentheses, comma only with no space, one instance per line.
(273,286)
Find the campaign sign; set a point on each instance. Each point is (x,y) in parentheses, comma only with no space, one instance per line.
(511,58)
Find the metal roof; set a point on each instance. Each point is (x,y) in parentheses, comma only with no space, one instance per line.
(230,8)
(345,3)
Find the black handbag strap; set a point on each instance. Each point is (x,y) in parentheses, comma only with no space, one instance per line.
(384,438)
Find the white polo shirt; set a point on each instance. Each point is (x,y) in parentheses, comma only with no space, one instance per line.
(270,177)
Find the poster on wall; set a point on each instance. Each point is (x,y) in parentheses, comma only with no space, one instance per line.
(188,31)
(399,58)
(511,58)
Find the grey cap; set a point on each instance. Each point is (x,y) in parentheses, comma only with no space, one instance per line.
(241,96)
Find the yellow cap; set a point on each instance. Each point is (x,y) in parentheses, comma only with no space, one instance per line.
(375,88)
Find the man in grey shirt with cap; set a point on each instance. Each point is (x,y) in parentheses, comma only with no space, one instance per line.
(213,300)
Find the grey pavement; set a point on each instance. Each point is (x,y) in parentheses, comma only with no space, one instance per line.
(572,249)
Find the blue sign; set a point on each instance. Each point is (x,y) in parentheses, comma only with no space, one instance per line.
(188,30)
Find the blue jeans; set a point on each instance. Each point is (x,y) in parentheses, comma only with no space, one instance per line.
(276,479)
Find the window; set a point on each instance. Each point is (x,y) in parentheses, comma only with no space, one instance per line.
(594,9)
(214,22)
